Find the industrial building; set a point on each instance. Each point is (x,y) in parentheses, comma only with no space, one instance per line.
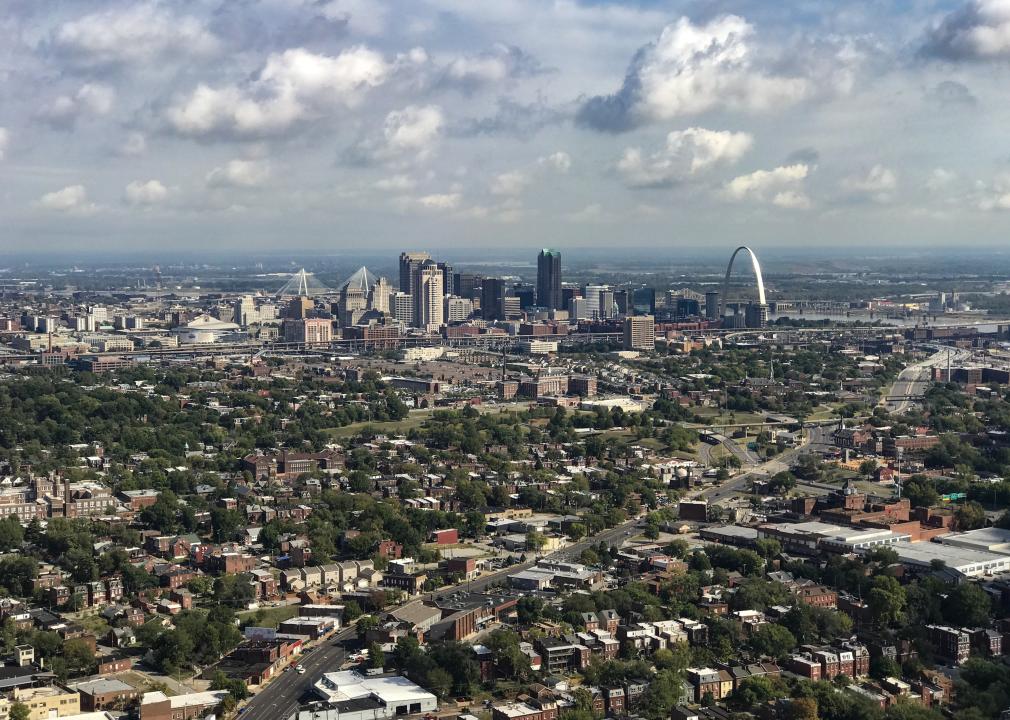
(351,696)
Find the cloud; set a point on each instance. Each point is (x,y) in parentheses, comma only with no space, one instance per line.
(558,161)
(239,174)
(407,134)
(995,197)
(5,139)
(877,185)
(951,94)
(440,201)
(977,31)
(152,192)
(395,183)
(90,99)
(686,153)
(293,86)
(71,199)
(782,186)
(509,183)
(689,70)
(470,73)
(131,36)
(939,179)
(591,213)
(521,120)
(362,17)
(134,145)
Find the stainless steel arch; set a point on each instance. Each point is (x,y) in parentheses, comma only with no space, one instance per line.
(757,274)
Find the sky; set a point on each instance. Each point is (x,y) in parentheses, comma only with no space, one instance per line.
(330,125)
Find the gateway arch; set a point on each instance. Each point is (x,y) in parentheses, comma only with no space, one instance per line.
(757,274)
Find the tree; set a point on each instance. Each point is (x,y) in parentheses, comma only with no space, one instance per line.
(882,667)
(535,540)
(801,708)
(768,548)
(376,658)
(886,600)
(966,605)
(772,640)
(20,711)
(529,610)
(366,623)
(439,682)
(969,516)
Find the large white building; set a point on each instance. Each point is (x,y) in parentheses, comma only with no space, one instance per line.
(348,695)
(207,329)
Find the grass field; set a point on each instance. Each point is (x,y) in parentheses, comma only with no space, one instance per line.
(269,617)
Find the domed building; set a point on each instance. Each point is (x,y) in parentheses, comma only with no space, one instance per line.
(208,329)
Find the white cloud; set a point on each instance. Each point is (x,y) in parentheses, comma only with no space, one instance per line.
(239,173)
(692,69)
(686,153)
(151,192)
(5,138)
(501,63)
(71,199)
(90,99)
(995,196)
(407,134)
(132,35)
(781,186)
(293,86)
(978,30)
(591,213)
(363,17)
(878,184)
(939,179)
(509,183)
(559,161)
(440,201)
(396,183)
(135,144)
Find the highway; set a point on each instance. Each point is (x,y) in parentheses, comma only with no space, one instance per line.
(282,695)
(912,382)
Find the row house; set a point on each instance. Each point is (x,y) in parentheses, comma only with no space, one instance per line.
(709,681)
(951,644)
(561,655)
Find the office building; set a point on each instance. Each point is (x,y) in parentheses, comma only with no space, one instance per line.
(549,279)
(492,299)
(643,301)
(640,332)
(606,304)
(466,285)
(401,305)
(378,295)
(245,311)
(526,294)
(578,309)
(448,278)
(299,308)
(409,264)
(756,315)
(712,305)
(591,293)
(311,331)
(429,297)
(457,309)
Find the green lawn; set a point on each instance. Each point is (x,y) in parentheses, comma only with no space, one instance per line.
(269,617)
(394,427)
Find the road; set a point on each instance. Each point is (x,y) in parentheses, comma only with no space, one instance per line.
(914,379)
(740,483)
(282,695)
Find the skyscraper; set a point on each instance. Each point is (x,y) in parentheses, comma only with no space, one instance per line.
(549,279)
(378,296)
(712,305)
(409,262)
(492,299)
(430,296)
(640,332)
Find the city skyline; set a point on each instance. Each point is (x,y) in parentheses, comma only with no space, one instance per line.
(142,126)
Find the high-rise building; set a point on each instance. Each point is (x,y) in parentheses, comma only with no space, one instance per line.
(245,311)
(549,279)
(457,309)
(712,305)
(378,296)
(311,331)
(299,308)
(526,295)
(578,309)
(644,301)
(492,299)
(606,304)
(640,332)
(623,302)
(448,285)
(401,306)
(409,263)
(756,315)
(592,295)
(466,285)
(429,297)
